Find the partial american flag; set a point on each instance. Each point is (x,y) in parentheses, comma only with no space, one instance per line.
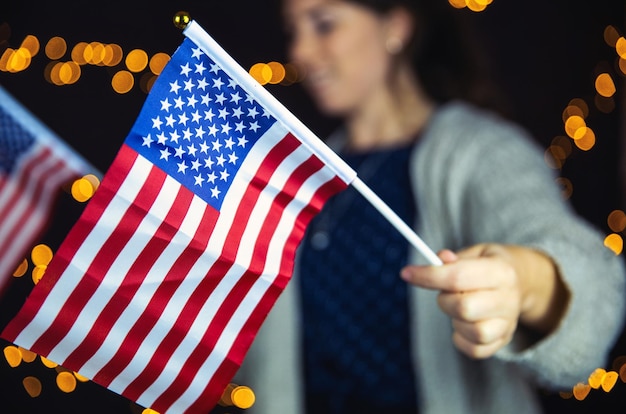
(161,286)
(34,165)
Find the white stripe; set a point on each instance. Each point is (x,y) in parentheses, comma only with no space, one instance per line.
(256,293)
(85,254)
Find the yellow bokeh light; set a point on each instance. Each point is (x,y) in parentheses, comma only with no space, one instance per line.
(113,55)
(21,269)
(605,85)
(96,53)
(31,43)
(457,4)
(13,355)
(581,391)
(608,381)
(595,379)
(19,60)
(278,72)
(27,356)
(78,53)
(242,397)
(158,62)
(123,81)
(622,65)
(586,140)
(149,411)
(41,254)
(574,125)
(47,363)
(55,76)
(66,381)
(614,242)
(616,220)
(82,190)
(32,385)
(80,378)
(55,48)
(261,72)
(620,47)
(611,35)
(38,272)
(476,5)
(136,60)
(69,72)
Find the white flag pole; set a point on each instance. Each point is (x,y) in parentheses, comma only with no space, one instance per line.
(228,64)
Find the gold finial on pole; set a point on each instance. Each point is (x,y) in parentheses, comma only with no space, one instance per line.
(181,19)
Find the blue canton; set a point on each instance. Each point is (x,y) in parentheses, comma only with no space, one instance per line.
(198,124)
(14,141)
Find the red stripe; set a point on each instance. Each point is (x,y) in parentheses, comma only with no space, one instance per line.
(200,295)
(232,362)
(132,280)
(120,167)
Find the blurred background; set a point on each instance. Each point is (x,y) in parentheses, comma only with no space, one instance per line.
(561,65)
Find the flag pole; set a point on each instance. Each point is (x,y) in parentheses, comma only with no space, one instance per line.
(396,221)
(194,31)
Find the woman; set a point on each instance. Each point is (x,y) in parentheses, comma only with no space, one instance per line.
(527,295)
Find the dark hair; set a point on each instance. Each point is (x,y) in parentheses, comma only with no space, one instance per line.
(447,53)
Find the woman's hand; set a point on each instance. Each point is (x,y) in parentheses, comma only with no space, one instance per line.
(488,289)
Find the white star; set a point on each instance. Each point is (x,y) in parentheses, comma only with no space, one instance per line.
(187,134)
(195,165)
(237,112)
(198,180)
(214,68)
(165,154)
(215,192)
(239,126)
(178,103)
(265,113)
(180,152)
(217,83)
(165,105)
(212,130)
(252,112)
(188,85)
(211,177)
(156,122)
(161,138)
(147,140)
(196,52)
(191,101)
(169,120)
(182,118)
(196,117)
(220,98)
(184,70)
(217,145)
(232,158)
(200,68)
(223,113)
(224,175)
(191,150)
(234,97)
(226,128)
(232,84)
(221,160)
(202,84)
(174,136)
(174,87)
(228,144)
(241,142)
(209,115)
(208,163)
(206,99)
(182,167)
(249,99)
(200,132)
(254,126)
(204,148)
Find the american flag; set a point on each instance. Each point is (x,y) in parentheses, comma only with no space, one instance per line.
(34,165)
(161,286)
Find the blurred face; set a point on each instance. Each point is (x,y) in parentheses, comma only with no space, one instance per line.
(341,46)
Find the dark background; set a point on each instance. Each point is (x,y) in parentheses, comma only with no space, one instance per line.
(543,53)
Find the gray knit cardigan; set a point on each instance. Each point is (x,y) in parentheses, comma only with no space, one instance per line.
(477,178)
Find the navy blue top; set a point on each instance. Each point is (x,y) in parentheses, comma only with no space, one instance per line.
(355,309)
